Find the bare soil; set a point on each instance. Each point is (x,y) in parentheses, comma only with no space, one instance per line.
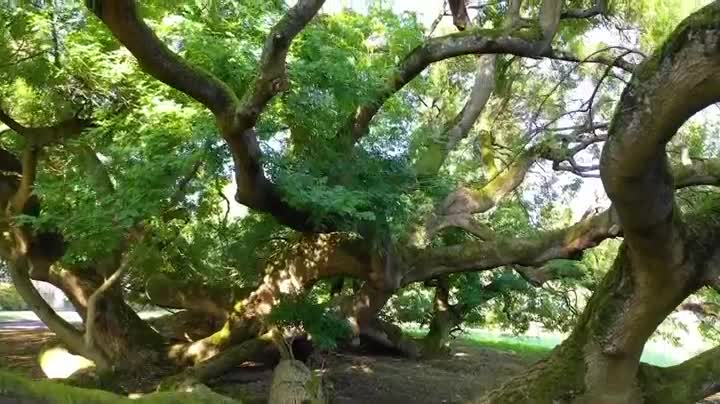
(352,378)
(358,378)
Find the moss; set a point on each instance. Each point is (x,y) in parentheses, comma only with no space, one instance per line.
(530,33)
(431,158)
(222,336)
(47,392)
(706,18)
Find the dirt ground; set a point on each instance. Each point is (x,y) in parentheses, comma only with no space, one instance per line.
(357,378)
(352,378)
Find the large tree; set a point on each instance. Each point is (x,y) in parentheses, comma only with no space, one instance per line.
(333,96)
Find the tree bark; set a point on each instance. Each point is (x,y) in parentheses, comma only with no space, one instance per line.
(599,361)
(292,272)
(444,320)
(362,311)
(17,389)
(68,334)
(119,332)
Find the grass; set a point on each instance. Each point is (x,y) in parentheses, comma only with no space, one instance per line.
(534,347)
(519,348)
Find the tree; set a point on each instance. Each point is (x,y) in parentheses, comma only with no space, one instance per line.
(392,221)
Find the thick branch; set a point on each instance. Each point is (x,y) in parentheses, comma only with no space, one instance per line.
(19,268)
(122,18)
(666,90)
(531,251)
(90,317)
(550,19)
(435,152)
(461,204)
(513,18)
(459,14)
(29,173)
(273,76)
(11,123)
(688,382)
(698,172)
(96,170)
(178,294)
(598,8)
(235,118)
(550,271)
(46,135)
(474,41)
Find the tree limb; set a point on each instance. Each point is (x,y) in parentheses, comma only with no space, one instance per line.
(46,135)
(531,251)
(550,20)
(665,91)
(599,59)
(96,170)
(472,41)
(433,155)
(19,268)
(89,336)
(272,77)
(29,173)
(124,21)
(235,118)
(687,382)
(698,172)
(599,7)
(459,14)
(11,123)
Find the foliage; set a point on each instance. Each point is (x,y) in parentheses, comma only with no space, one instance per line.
(318,320)
(10,299)
(411,304)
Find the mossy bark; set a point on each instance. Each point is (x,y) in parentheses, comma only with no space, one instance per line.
(292,273)
(599,363)
(19,389)
(120,333)
(444,320)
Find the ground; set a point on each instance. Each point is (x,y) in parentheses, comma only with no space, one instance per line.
(353,378)
(473,367)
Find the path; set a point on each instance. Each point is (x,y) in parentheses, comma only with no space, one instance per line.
(27,320)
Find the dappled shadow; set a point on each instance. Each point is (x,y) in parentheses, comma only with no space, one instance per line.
(19,350)
(364,378)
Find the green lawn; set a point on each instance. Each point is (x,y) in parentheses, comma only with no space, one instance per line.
(656,352)
(536,347)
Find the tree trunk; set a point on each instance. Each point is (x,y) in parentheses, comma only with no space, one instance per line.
(362,312)
(120,333)
(599,361)
(68,334)
(292,273)
(444,320)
